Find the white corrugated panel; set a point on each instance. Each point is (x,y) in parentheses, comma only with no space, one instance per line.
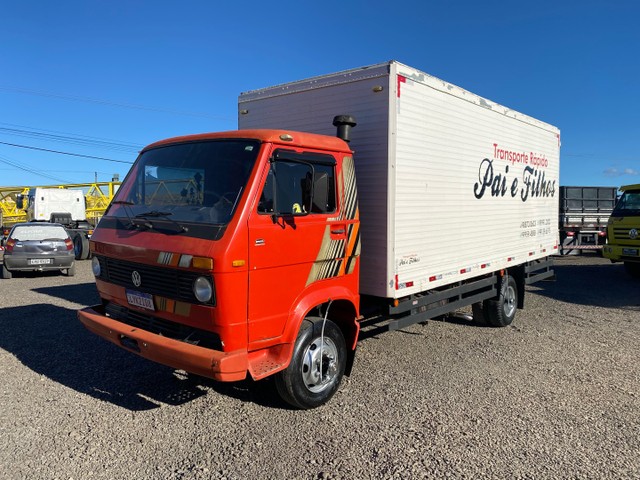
(445,140)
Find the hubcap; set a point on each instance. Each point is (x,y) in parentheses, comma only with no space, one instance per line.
(319,365)
(509,302)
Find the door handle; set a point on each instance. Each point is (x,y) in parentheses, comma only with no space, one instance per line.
(338,231)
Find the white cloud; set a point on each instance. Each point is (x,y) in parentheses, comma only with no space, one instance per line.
(615,172)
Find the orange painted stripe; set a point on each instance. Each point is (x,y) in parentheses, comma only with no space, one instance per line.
(351,243)
(175,259)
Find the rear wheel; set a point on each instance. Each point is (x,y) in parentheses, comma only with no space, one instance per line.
(502,311)
(6,273)
(317,365)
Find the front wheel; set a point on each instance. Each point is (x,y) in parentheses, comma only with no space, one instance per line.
(317,365)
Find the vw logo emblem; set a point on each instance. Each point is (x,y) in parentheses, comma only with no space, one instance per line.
(633,234)
(136,278)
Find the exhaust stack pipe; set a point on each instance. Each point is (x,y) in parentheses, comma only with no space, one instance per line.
(344,124)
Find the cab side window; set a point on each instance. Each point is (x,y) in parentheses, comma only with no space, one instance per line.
(324,189)
(299,187)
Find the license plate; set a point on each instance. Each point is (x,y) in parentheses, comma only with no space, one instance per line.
(140,299)
(40,261)
(630,251)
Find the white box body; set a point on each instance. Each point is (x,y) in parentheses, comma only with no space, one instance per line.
(45,201)
(451,185)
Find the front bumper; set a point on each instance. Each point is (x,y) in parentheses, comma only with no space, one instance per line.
(621,253)
(222,366)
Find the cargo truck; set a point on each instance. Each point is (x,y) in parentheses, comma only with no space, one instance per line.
(584,213)
(253,253)
(60,205)
(623,239)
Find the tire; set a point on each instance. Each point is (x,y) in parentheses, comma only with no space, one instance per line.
(81,247)
(71,271)
(501,312)
(6,273)
(299,384)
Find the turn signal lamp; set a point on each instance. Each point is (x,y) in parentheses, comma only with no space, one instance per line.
(203,263)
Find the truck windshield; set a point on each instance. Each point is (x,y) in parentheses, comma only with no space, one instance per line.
(629,204)
(195,182)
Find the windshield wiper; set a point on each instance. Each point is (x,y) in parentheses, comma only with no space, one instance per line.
(125,204)
(148,223)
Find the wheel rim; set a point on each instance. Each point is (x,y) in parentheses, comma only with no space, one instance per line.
(316,375)
(509,301)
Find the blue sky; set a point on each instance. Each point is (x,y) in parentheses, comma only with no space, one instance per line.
(104,78)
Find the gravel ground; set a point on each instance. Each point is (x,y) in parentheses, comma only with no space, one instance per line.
(555,395)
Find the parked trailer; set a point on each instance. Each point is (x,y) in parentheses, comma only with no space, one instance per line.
(584,213)
(240,253)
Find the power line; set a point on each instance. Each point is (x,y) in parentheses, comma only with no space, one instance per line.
(32,171)
(62,137)
(109,103)
(65,153)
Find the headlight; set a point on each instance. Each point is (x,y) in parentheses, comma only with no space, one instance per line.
(202,289)
(95,266)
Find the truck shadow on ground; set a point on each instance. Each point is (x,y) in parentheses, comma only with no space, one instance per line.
(51,341)
(601,284)
(83,293)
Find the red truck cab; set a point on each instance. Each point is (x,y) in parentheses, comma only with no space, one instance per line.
(235,252)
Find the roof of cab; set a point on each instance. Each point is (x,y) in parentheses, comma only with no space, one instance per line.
(281,137)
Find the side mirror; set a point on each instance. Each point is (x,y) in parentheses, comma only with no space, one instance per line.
(20,201)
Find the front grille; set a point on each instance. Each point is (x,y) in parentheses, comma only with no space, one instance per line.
(166,282)
(164,328)
(622,234)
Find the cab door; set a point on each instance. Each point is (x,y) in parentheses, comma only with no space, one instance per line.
(295,237)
